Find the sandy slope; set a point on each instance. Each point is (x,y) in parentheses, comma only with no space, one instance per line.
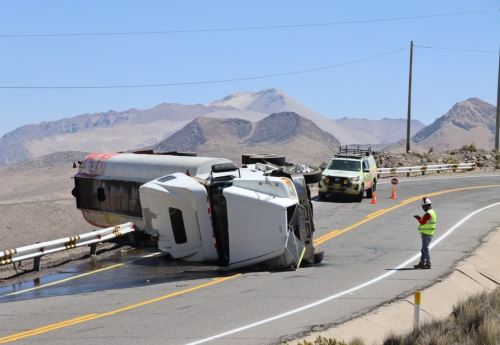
(36,205)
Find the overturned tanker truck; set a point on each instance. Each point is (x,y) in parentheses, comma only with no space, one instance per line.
(202,209)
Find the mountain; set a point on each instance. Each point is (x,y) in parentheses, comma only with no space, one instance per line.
(276,101)
(286,133)
(108,131)
(139,128)
(383,131)
(347,130)
(467,122)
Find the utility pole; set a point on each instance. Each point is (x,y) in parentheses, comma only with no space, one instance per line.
(408,125)
(497,135)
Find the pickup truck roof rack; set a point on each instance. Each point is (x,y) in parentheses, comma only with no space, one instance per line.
(353,152)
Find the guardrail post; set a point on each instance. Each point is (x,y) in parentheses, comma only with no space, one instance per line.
(93,252)
(416,310)
(37,263)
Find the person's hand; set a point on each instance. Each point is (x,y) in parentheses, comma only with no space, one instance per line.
(416,217)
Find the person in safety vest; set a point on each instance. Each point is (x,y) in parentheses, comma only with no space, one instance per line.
(426,229)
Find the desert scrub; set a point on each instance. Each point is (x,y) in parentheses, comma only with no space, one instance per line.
(330,341)
(449,160)
(474,321)
(470,148)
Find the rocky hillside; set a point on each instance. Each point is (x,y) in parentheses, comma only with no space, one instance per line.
(276,101)
(287,133)
(468,154)
(469,122)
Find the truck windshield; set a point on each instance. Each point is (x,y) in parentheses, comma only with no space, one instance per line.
(341,164)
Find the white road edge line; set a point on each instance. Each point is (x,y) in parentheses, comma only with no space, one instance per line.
(346,292)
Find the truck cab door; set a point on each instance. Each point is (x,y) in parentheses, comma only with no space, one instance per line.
(176,208)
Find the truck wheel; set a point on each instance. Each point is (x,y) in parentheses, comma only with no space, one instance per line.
(321,196)
(318,257)
(263,158)
(359,197)
(311,177)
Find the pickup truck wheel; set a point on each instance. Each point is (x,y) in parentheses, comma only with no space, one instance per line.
(359,197)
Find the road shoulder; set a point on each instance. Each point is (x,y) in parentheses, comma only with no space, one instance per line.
(477,273)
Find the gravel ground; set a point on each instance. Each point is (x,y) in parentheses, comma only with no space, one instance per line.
(36,205)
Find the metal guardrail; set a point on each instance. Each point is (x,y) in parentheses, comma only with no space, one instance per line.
(36,251)
(425,168)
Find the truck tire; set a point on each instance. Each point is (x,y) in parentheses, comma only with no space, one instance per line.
(318,257)
(321,196)
(310,177)
(263,158)
(359,197)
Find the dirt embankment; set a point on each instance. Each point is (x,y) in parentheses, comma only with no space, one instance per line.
(485,160)
(36,205)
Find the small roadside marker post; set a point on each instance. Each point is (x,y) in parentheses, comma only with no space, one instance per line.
(394,183)
(416,310)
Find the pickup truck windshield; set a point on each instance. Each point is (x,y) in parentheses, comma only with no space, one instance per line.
(341,164)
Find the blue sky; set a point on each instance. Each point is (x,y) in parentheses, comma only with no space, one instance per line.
(372,89)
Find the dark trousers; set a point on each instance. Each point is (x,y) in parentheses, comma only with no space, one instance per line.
(425,258)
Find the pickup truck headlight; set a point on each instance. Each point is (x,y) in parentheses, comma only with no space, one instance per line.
(354,179)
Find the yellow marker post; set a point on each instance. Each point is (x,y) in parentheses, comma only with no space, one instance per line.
(416,310)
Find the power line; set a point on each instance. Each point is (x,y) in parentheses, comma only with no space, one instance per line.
(216,81)
(459,49)
(247,28)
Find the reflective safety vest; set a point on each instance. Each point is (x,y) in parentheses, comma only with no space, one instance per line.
(429,227)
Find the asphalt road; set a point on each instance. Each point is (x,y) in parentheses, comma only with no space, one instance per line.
(157,301)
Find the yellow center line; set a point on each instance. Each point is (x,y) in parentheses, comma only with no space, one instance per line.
(334,233)
(325,237)
(90,317)
(44,329)
(376,213)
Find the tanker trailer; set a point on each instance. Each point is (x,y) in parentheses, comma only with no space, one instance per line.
(201,209)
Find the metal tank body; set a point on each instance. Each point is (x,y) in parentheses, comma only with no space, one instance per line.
(107,184)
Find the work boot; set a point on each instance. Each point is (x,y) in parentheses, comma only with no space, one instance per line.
(420,265)
(427,265)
